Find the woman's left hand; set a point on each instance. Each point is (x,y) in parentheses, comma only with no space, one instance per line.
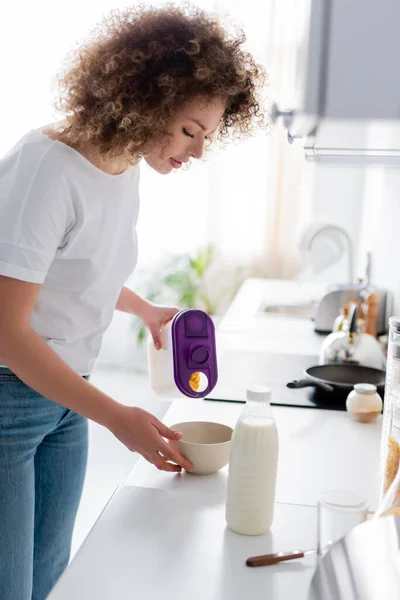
(154,316)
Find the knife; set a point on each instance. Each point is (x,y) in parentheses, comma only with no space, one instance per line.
(273,559)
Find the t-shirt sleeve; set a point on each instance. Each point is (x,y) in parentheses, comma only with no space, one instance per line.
(34,214)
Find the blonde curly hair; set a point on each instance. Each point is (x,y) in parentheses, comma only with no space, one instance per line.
(122,88)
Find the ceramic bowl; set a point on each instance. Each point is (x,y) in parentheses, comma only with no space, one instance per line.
(205,444)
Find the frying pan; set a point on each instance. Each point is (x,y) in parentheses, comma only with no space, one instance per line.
(339,378)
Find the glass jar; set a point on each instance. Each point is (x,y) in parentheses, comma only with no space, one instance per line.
(390,444)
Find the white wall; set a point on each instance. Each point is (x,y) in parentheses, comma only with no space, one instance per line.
(338,199)
(381,228)
(366,202)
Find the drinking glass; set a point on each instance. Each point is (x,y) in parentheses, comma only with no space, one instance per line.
(338,513)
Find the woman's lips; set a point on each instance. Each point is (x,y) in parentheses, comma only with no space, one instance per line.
(175,163)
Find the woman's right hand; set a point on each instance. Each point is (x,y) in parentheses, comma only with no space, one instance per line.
(143,433)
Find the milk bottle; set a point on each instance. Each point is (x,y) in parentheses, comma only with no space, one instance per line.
(253,466)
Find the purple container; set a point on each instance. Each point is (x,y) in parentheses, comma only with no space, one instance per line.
(194,350)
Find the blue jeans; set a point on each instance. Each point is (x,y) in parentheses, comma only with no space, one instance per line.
(43,455)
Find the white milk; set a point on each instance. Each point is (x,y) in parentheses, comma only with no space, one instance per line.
(253,466)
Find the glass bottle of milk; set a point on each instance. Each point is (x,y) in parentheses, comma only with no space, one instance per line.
(253,466)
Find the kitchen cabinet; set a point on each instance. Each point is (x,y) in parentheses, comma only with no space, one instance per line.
(343,94)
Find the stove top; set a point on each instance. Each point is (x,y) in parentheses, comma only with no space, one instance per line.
(238,370)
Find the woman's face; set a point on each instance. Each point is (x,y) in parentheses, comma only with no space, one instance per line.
(193,126)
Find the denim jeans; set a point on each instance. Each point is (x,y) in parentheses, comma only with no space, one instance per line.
(43,455)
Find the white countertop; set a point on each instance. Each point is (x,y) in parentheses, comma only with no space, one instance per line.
(319,450)
(154,544)
(246,327)
(164,535)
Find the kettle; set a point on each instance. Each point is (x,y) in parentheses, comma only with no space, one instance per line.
(353,347)
(186,365)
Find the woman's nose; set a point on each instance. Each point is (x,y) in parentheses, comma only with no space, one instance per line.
(197,149)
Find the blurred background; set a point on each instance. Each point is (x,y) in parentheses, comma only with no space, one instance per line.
(240,212)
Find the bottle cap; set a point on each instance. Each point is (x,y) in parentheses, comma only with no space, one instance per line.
(259,393)
(365,388)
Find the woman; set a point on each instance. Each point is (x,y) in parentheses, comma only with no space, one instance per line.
(153,84)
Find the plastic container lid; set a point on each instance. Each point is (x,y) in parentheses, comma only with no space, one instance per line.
(194,353)
(259,393)
(365,388)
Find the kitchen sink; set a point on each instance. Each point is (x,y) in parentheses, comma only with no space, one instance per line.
(306,311)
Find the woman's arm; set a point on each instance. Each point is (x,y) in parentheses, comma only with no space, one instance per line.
(24,352)
(29,357)
(132,303)
(152,315)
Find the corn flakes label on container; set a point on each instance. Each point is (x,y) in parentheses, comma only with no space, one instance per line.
(390,445)
(187,363)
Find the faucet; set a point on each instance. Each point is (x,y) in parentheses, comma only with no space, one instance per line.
(343,232)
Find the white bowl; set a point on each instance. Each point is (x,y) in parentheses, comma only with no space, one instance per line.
(205,444)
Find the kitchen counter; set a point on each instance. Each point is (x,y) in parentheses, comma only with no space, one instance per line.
(156,544)
(246,326)
(164,535)
(319,450)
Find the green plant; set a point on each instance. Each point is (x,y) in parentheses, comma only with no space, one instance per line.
(180,282)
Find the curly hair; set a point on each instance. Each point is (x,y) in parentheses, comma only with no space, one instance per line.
(122,88)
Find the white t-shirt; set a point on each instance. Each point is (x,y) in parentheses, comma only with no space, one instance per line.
(70,226)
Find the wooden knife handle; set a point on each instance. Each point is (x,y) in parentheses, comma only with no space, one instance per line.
(272,559)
